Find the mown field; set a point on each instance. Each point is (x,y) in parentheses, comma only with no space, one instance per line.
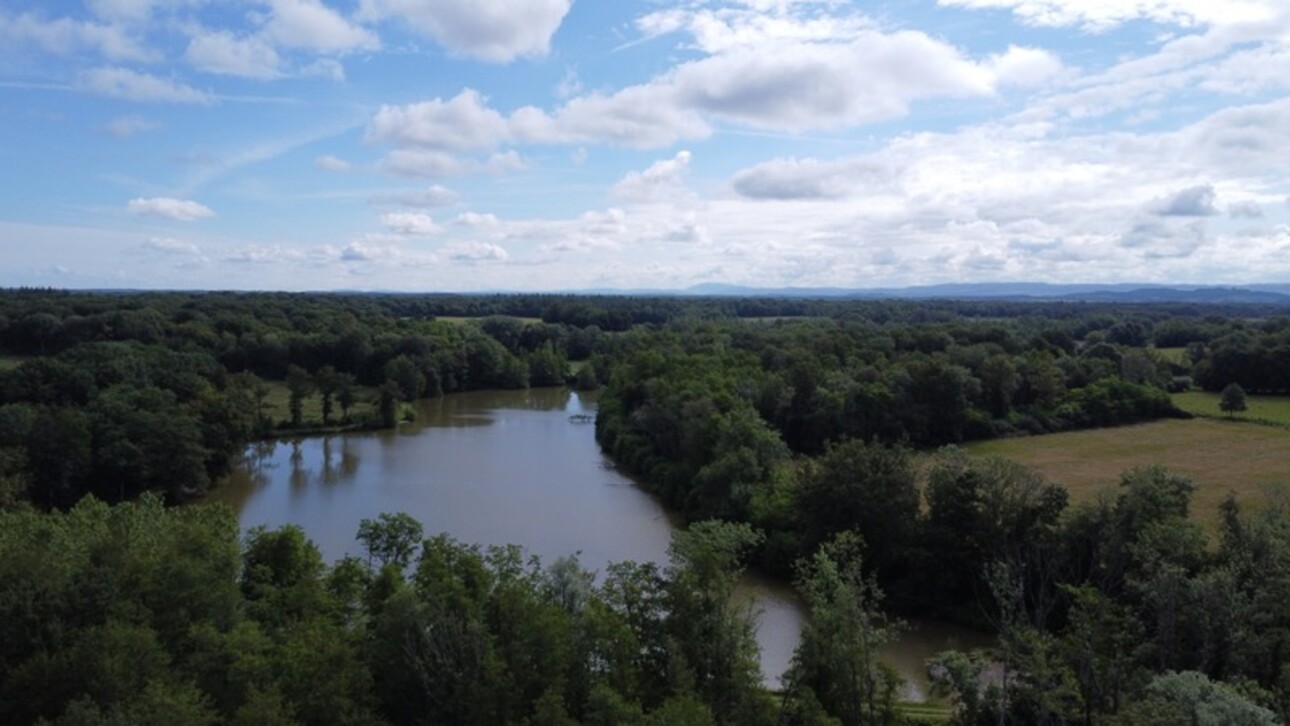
(278,404)
(1221,456)
(1260,409)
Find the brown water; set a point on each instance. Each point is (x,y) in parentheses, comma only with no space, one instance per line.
(499,467)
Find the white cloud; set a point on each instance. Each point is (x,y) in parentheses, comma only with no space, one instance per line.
(131,85)
(1102,14)
(171,246)
(65,36)
(259,255)
(432,196)
(123,127)
(791,87)
(221,53)
(754,24)
(1025,67)
(476,219)
(463,122)
(410,223)
(311,25)
(661,180)
(475,251)
(331,163)
(181,210)
(491,30)
(811,178)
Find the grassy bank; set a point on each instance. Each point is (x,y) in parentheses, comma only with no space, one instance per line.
(1273,410)
(278,405)
(1221,456)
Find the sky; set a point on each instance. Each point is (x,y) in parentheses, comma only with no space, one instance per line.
(544,145)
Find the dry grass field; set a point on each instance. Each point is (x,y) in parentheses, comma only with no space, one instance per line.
(1220,456)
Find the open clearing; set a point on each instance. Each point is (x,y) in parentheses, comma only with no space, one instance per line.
(278,404)
(1260,409)
(9,362)
(1220,456)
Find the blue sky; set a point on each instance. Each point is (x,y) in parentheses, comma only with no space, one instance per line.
(570,144)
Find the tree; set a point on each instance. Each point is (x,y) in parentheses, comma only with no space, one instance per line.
(1233,400)
(345,394)
(328,383)
(299,386)
(869,489)
(391,539)
(837,660)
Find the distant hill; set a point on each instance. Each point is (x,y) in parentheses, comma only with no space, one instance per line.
(1278,294)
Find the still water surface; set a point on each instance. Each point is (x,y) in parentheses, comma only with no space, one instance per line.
(500,467)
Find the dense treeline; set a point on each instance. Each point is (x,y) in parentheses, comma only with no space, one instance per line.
(1113,613)
(121,394)
(138,614)
(711,414)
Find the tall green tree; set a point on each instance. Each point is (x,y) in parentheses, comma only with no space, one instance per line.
(1232,400)
(836,662)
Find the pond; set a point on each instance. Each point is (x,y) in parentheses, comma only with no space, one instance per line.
(500,467)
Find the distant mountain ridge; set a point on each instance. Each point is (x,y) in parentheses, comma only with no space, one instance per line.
(1265,294)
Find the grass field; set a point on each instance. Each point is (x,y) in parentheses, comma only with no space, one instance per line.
(459,320)
(1221,456)
(9,362)
(1261,409)
(278,404)
(1174,355)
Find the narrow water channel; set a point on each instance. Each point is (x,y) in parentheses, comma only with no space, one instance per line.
(500,467)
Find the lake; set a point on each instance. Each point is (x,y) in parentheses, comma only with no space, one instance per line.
(500,467)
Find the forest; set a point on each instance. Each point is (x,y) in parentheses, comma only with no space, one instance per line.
(818,441)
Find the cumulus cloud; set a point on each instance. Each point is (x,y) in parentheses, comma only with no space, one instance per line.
(434,195)
(476,219)
(475,251)
(181,210)
(491,30)
(792,87)
(311,25)
(65,36)
(752,24)
(131,85)
(1195,201)
(1099,15)
(260,255)
(221,53)
(410,223)
(331,163)
(661,180)
(810,178)
(462,122)
(123,127)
